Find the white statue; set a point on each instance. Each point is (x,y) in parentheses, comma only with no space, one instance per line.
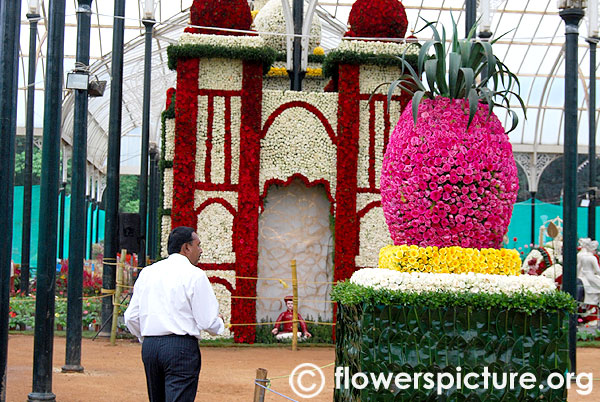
(588,270)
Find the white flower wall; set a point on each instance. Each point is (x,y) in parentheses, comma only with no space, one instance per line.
(220,74)
(224,298)
(297,141)
(165,229)
(374,234)
(215,228)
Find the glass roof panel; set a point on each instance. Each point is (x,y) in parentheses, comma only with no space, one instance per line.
(532,49)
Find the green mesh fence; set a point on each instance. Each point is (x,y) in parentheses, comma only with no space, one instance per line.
(35,209)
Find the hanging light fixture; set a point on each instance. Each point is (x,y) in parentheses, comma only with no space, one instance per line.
(149,6)
(34,6)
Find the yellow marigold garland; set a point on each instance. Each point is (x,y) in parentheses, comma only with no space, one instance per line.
(282,72)
(454,259)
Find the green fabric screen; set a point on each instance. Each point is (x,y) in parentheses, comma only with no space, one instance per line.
(520,223)
(35,211)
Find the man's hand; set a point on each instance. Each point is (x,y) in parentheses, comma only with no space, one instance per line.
(274,331)
(307,334)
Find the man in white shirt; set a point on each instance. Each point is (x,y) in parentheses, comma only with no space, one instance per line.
(172,302)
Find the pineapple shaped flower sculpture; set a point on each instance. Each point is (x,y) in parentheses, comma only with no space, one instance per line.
(449,177)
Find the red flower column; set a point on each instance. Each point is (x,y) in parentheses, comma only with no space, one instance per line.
(346,218)
(184,161)
(246,221)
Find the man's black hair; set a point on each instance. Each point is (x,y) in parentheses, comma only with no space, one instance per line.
(178,237)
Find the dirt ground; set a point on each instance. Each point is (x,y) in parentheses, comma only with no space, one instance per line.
(115,373)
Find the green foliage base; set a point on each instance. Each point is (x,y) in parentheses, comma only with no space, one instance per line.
(378,338)
(265,55)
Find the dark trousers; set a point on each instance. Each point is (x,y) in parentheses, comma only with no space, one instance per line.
(172,364)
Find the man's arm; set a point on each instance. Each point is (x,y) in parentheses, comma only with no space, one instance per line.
(206,308)
(132,314)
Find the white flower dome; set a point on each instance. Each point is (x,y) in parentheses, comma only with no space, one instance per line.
(270,19)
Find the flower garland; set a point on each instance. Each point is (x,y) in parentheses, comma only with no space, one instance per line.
(167,188)
(377,18)
(186,110)
(421,282)
(346,222)
(165,229)
(169,139)
(456,260)
(246,238)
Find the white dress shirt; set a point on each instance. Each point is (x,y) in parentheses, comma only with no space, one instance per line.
(173,296)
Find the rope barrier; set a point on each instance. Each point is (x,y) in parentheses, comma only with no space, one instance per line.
(33,299)
(280,322)
(289,375)
(275,392)
(279,298)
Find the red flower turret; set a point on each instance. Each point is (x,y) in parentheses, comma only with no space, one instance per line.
(231,14)
(377,19)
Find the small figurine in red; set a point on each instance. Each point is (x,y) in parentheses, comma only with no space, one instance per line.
(286,319)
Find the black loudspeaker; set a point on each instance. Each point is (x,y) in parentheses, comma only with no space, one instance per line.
(129,232)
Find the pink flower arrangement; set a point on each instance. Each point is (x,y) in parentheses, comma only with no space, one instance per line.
(443,185)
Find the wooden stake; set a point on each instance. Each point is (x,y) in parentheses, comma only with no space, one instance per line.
(295,310)
(117,297)
(261,378)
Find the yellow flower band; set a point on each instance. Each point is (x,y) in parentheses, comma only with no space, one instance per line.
(282,72)
(456,260)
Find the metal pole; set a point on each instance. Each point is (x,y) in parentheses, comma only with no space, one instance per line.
(28,179)
(111,238)
(571,16)
(92,227)
(470,15)
(77,241)
(592,140)
(44,306)
(61,228)
(149,24)
(10,13)
(97,221)
(85,226)
(153,204)
(297,73)
(533,217)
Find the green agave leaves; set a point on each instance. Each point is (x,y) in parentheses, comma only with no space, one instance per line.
(467,70)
